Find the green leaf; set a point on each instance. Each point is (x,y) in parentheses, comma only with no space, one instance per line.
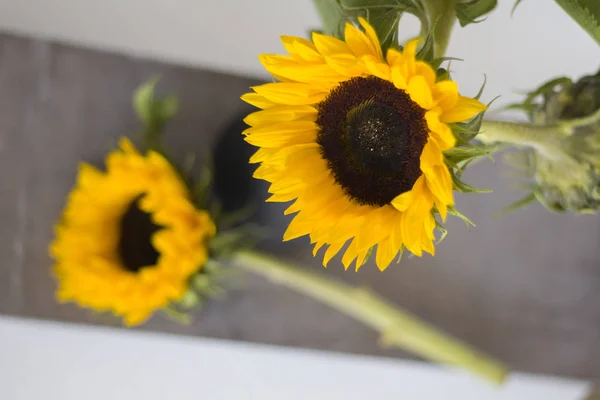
(443,230)
(385,22)
(332,17)
(427,51)
(512,11)
(400,254)
(166,108)
(436,62)
(463,187)
(547,88)
(518,204)
(201,282)
(368,256)
(201,187)
(143,99)
(189,300)
(469,12)
(453,211)
(586,13)
(175,315)
(480,92)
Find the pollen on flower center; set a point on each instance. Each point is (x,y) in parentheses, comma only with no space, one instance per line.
(135,244)
(372,135)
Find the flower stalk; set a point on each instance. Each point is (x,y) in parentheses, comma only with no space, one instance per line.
(398,328)
(546,139)
(442,15)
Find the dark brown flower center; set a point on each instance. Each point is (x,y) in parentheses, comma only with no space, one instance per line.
(372,136)
(135,244)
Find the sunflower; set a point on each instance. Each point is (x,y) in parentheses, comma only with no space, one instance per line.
(129,239)
(356,139)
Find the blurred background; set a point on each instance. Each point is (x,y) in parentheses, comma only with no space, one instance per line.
(524,287)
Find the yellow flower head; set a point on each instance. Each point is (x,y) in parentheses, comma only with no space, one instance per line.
(355,138)
(130,238)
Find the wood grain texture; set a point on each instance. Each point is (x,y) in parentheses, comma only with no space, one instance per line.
(524,287)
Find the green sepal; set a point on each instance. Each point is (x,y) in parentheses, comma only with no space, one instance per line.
(175,315)
(190,300)
(460,157)
(530,104)
(470,12)
(460,186)
(400,254)
(442,229)
(368,256)
(525,201)
(154,113)
(242,237)
(427,50)
(385,22)
(453,211)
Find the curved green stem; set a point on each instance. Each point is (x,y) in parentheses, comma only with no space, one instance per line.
(398,328)
(546,139)
(443,14)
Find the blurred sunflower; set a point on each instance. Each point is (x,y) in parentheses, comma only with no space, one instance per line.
(356,138)
(129,239)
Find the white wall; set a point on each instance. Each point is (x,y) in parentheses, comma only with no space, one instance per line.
(538,43)
(42,360)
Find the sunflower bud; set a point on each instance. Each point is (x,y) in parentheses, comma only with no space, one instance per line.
(563,159)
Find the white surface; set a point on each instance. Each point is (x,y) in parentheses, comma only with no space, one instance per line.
(538,43)
(43,360)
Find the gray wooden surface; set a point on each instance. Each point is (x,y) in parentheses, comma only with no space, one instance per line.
(524,287)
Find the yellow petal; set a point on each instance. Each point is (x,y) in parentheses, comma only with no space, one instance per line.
(350,254)
(445,94)
(442,208)
(281,114)
(360,260)
(127,147)
(439,183)
(332,250)
(257,100)
(442,133)
(346,65)
(358,42)
(372,35)
(88,176)
(377,68)
(414,218)
(374,228)
(281,197)
(394,57)
(282,134)
(301,49)
(396,233)
(419,92)
(329,46)
(317,247)
(431,156)
(291,93)
(408,55)
(398,77)
(403,201)
(385,255)
(464,109)
(296,228)
(424,69)
(286,67)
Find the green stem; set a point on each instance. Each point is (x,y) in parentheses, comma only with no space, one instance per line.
(546,139)
(443,14)
(398,328)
